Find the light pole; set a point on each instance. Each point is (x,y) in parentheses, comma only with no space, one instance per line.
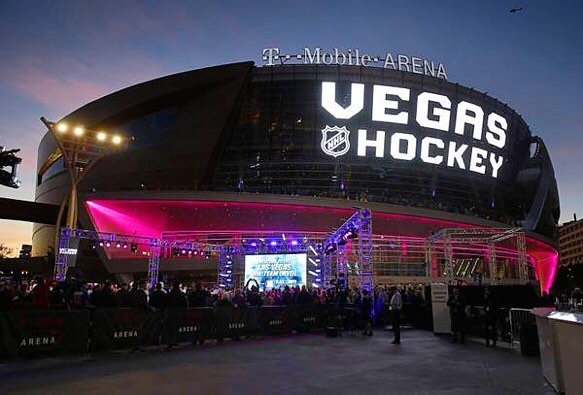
(80,149)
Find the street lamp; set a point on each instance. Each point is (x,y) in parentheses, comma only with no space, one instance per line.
(81,149)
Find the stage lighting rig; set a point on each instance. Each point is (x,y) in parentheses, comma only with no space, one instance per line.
(9,159)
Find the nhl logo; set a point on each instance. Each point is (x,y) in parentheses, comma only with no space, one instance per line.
(335,140)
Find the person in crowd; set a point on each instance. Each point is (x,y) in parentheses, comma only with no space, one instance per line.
(106,297)
(366,312)
(287,297)
(253,297)
(95,296)
(58,296)
(239,300)
(380,305)
(122,296)
(7,295)
(224,300)
(41,294)
(395,306)
(322,296)
(577,297)
(491,318)
(176,304)
(158,297)
(356,297)
(137,297)
(295,295)
(266,298)
(304,296)
(330,296)
(457,312)
(315,297)
(176,298)
(198,297)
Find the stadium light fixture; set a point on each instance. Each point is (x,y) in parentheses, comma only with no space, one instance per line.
(80,150)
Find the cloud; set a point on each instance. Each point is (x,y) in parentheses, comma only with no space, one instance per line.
(64,94)
(32,77)
(45,82)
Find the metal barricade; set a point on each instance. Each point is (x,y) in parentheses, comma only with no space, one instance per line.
(518,318)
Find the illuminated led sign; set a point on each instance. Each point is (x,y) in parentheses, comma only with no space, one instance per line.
(450,133)
(68,251)
(354,57)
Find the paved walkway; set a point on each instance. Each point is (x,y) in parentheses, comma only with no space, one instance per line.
(300,364)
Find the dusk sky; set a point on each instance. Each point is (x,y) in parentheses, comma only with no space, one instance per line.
(60,55)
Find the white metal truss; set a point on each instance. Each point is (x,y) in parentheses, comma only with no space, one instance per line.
(358,225)
(328,270)
(522,259)
(153,265)
(225,269)
(492,263)
(61,255)
(450,240)
(365,249)
(342,261)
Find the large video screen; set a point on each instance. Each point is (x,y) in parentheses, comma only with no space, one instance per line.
(276,270)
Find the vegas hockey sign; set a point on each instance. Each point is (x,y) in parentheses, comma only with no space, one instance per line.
(436,129)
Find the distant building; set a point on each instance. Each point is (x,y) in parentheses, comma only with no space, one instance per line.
(571,242)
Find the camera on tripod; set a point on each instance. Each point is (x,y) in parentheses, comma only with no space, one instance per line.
(9,159)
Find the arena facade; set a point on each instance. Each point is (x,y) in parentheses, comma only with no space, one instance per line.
(284,153)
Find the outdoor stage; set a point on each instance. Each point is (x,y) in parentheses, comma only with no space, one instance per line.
(399,233)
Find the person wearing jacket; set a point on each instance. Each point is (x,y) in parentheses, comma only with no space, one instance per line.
(457,313)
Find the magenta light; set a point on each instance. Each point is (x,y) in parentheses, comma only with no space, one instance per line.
(152,218)
(273,243)
(107,219)
(294,242)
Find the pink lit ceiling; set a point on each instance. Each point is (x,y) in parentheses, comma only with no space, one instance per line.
(151,218)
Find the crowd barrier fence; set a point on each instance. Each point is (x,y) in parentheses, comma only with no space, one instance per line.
(30,333)
(38,332)
(476,323)
(519,318)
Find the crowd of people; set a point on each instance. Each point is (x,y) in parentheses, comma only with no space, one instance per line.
(389,304)
(73,294)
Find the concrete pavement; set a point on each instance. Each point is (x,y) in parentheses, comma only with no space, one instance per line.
(296,364)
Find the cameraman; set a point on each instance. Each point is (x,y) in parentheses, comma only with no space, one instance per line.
(9,159)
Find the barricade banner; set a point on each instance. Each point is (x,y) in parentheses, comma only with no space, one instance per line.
(235,323)
(308,317)
(124,328)
(274,320)
(29,333)
(188,325)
